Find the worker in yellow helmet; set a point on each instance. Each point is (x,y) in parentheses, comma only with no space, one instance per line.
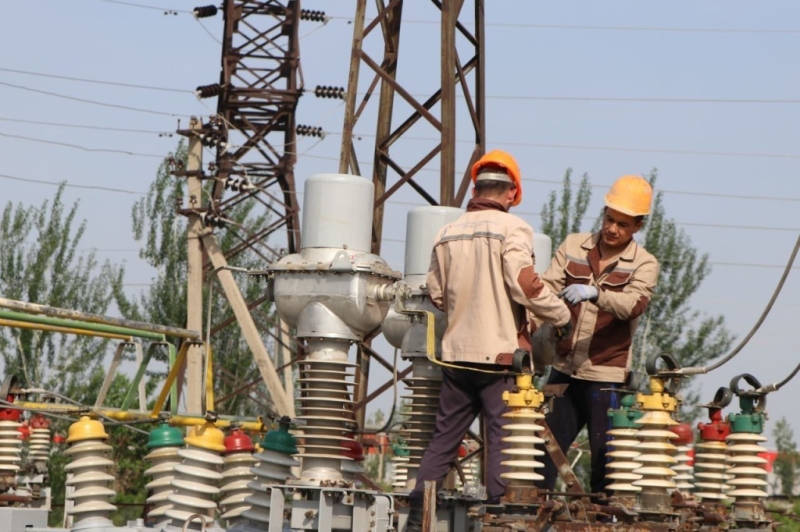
(608,280)
(482,277)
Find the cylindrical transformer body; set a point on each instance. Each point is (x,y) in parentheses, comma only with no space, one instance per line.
(422,226)
(337,212)
(542,252)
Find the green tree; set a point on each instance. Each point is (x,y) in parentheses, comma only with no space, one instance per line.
(785,465)
(161,230)
(670,324)
(42,263)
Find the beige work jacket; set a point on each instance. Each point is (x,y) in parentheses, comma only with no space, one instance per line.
(600,346)
(481,275)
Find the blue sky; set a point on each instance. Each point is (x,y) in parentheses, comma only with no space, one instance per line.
(604,88)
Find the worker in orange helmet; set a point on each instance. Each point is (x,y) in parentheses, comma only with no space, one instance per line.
(482,277)
(608,280)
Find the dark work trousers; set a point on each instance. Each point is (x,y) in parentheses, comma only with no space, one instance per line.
(584,404)
(465,394)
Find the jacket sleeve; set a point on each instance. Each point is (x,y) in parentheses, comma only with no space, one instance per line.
(434,282)
(555,276)
(525,286)
(634,298)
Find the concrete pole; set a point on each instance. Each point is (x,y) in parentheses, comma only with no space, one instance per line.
(194,274)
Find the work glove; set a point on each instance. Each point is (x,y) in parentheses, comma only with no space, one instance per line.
(575,293)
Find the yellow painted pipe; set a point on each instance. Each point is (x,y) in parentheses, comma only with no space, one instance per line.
(137,415)
(66,330)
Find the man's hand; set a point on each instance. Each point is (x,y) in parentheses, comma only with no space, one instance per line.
(575,293)
(564,331)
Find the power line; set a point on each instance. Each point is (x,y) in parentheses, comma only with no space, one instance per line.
(70,185)
(83,126)
(96,81)
(94,102)
(635,99)
(83,148)
(144,6)
(610,28)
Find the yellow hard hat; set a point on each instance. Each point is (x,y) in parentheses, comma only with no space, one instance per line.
(86,428)
(206,437)
(631,195)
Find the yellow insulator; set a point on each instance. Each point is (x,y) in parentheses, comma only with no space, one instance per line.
(656,452)
(196,480)
(206,437)
(710,471)
(623,461)
(86,428)
(745,466)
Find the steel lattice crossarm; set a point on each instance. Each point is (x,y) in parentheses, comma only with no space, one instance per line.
(257,94)
(467,75)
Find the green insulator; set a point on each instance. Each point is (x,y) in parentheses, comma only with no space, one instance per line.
(165,436)
(279,440)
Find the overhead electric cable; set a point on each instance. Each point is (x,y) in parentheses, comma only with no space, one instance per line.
(94,102)
(70,185)
(96,81)
(85,126)
(82,148)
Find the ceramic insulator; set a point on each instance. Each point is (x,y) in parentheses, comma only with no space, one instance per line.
(236,479)
(420,422)
(710,470)
(524,427)
(39,445)
(163,461)
(683,471)
(90,480)
(623,461)
(746,469)
(327,409)
(10,447)
(273,468)
(400,473)
(194,486)
(656,453)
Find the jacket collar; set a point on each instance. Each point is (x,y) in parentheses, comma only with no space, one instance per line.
(628,255)
(484,204)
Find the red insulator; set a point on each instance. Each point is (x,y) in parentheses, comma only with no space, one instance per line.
(238,441)
(717,430)
(353,450)
(38,421)
(684,432)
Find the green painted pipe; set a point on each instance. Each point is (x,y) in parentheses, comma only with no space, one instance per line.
(81,325)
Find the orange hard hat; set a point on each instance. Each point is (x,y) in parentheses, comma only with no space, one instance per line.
(506,161)
(631,195)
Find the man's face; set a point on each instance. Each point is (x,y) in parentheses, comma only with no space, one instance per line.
(618,229)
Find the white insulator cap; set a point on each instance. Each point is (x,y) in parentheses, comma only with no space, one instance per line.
(337,212)
(422,226)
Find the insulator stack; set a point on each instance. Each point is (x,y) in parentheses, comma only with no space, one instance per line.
(197,477)
(313,15)
(164,443)
(683,470)
(88,475)
(10,450)
(710,455)
(655,447)
(208,91)
(274,467)
(324,91)
(309,131)
(39,443)
(710,470)
(237,476)
(622,452)
(746,469)
(523,421)
(327,407)
(425,384)
(400,475)
(205,11)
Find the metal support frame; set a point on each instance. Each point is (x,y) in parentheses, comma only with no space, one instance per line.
(454,72)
